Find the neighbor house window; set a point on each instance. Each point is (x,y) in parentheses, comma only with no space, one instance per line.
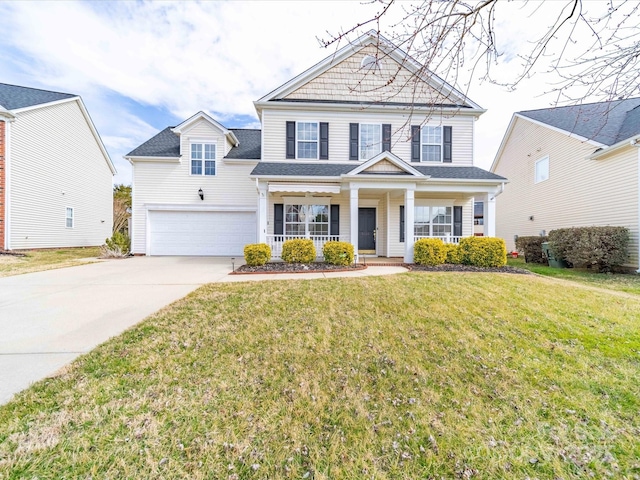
(306,220)
(431,144)
(307,139)
(433,221)
(69,218)
(203,159)
(542,169)
(370,140)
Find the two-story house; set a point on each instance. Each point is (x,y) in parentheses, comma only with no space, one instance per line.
(366,147)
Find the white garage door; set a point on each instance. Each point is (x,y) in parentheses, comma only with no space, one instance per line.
(201,233)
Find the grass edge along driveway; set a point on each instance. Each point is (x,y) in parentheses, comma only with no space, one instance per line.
(410,376)
(48,259)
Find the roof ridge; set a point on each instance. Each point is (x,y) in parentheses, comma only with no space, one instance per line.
(39,89)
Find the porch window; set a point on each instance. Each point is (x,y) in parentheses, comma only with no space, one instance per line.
(431,144)
(303,220)
(203,159)
(370,140)
(307,139)
(433,221)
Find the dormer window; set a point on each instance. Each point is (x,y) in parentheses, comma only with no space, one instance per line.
(203,158)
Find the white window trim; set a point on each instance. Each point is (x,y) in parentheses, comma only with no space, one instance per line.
(441,144)
(203,142)
(325,202)
(535,169)
(66,217)
(317,122)
(431,205)
(360,140)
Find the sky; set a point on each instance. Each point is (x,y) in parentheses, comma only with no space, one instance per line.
(142,66)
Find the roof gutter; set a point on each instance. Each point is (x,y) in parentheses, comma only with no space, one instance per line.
(633,141)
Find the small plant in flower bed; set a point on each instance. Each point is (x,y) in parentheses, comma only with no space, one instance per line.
(299,250)
(338,253)
(429,251)
(483,251)
(257,254)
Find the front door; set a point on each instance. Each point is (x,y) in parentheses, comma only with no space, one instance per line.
(366,230)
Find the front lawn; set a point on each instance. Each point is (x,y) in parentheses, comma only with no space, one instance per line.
(38,260)
(419,375)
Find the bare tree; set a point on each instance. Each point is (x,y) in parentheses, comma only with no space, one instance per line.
(121,207)
(592,48)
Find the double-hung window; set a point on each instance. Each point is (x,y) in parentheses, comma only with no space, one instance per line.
(203,158)
(307,140)
(542,169)
(431,144)
(433,221)
(306,220)
(69,217)
(370,140)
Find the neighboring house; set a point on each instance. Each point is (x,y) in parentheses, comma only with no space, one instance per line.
(364,147)
(55,174)
(569,167)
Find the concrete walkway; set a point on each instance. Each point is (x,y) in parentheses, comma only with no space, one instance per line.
(47,319)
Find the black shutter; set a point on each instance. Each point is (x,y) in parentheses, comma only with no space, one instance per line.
(324,141)
(291,139)
(401,223)
(446,144)
(415,143)
(335,220)
(457,221)
(386,137)
(278,219)
(353,141)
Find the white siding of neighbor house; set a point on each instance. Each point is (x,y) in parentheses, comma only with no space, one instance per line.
(172,183)
(579,192)
(349,81)
(274,132)
(56,163)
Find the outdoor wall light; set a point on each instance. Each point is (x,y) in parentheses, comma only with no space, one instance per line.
(201,193)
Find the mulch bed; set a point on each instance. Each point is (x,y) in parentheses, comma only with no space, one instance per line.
(282,267)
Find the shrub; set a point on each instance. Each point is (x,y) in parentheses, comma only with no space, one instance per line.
(298,250)
(338,253)
(429,251)
(453,253)
(531,248)
(600,248)
(257,254)
(118,246)
(483,251)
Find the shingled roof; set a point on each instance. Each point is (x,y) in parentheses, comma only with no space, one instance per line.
(286,169)
(13,96)
(606,122)
(167,144)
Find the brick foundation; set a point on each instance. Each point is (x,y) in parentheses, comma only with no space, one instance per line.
(2,183)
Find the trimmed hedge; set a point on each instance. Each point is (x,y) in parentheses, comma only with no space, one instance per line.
(298,250)
(338,253)
(483,251)
(531,248)
(600,248)
(429,251)
(257,254)
(453,254)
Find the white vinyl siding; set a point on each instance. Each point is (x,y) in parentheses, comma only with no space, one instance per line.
(56,162)
(579,192)
(172,184)
(274,133)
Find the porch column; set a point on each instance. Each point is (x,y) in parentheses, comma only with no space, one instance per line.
(489,215)
(353,218)
(409,212)
(262,212)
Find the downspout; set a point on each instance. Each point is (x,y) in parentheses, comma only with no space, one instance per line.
(8,119)
(636,143)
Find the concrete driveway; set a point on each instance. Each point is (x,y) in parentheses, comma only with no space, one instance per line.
(49,318)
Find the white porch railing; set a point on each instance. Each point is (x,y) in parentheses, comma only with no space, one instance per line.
(444,238)
(276,241)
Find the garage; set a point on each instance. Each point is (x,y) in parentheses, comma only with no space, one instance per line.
(200,233)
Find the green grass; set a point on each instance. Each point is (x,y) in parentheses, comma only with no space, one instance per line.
(38,260)
(420,375)
(629,283)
